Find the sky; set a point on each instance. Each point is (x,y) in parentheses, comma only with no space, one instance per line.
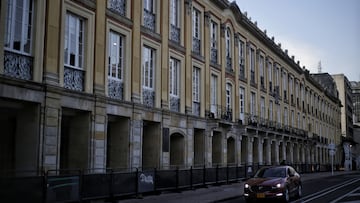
(325,31)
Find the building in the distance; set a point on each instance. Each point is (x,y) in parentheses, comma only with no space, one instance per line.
(142,84)
(355,86)
(347,131)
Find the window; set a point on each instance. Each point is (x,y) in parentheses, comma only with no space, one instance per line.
(18,28)
(278,114)
(228,48)
(149,14)
(261,65)
(271,110)
(116,65)
(228,96)
(74,41)
(292,118)
(262,107)
(174,84)
(175,20)
(116,56)
(286,119)
(196,84)
(252,65)
(285,85)
(242,103)
(253,104)
(298,120)
(213,94)
(148,67)
(213,42)
(242,59)
(174,77)
(196,30)
(270,76)
(291,86)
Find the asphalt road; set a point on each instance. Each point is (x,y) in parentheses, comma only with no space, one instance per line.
(334,189)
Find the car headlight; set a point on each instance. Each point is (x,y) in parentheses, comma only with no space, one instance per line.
(246,186)
(277,186)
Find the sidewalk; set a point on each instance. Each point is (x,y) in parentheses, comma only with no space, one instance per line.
(215,193)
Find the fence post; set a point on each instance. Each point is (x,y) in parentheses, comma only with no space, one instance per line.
(191,177)
(155,171)
(227,174)
(204,175)
(137,182)
(177,177)
(217,173)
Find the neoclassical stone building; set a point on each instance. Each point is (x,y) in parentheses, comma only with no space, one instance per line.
(127,84)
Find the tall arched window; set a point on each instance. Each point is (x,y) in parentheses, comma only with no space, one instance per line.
(228,48)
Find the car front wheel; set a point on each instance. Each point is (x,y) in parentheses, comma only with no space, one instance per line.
(286,195)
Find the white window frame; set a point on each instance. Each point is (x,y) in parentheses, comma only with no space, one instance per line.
(262,107)
(286,116)
(253,103)
(278,113)
(196,84)
(261,67)
(149,5)
(174,77)
(116,55)
(228,42)
(175,13)
(270,72)
(292,118)
(22,34)
(271,117)
(78,40)
(148,76)
(242,102)
(228,96)
(214,35)
(252,60)
(242,52)
(196,23)
(213,93)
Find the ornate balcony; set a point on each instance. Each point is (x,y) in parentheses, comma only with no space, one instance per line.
(196,45)
(175,33)
(149,20)
(115,89)
(214,55)
(119,6)
(74,79)
(228,63)
(18,66)
(196,109)
(148,97)
(174,103)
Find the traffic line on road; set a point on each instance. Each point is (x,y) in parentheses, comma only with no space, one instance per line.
(347,194)
(327,191)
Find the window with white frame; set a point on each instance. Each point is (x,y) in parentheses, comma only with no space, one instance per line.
(174,84)
(242,103)
(196,84)
(253,103)
(213,93)
(278,113)
(277,75)
(213,41)
(292,118)
(149,14)
(285,85)
(116,65)
(270,76)
(262,107)
(271,118)
(228,96)
(174,77)
(228,49)
(242,59)
(196,30)
(286,118)
(18,26)
(252,65)
(261,66)
(175,20)
(116,56)
(148,68)
(298,120)
(291,85)
(74,41)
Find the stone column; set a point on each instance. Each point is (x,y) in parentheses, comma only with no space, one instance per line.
(268,151)
(99,145)
(260,150)
(250,150)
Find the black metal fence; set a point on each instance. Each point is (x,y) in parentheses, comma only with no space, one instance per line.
(82,185)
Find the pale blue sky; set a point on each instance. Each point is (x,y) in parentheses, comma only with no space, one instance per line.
(313,31)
